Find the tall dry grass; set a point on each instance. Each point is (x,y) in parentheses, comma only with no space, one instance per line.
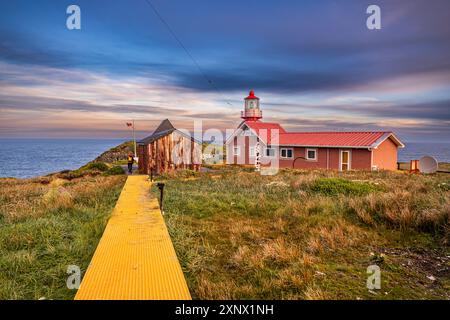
(304,234)
(47,224)
(33,198)
(421,205)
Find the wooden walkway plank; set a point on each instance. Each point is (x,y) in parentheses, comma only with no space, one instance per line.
(135,258)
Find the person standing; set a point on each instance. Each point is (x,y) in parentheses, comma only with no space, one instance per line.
(130,163)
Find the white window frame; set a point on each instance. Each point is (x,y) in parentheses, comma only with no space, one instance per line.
(286,149)
(238,149)
(252,152)
(274,152)
(307,154)
(349,164)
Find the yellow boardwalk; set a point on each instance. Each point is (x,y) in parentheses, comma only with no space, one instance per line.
(135,258)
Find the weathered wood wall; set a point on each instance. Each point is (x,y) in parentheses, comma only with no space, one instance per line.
(171,152)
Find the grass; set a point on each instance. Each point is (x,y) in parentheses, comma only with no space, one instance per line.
(90,169)
(310,234)
(443,166)
(114,171)
(240,235)
(49,223)
(336,186)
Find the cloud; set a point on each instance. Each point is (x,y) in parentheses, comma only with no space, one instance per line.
(48,105)
(99,104)
(314,64)
(285,55)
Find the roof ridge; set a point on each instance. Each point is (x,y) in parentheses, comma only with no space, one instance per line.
(261,122)
(165,125)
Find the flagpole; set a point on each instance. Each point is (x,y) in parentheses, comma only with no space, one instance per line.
(134,140)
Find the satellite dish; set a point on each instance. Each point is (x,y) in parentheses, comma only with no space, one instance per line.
(428,164)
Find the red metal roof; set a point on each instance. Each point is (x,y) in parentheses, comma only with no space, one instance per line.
(363,139)
(251,95)
(259,125)
(331,139)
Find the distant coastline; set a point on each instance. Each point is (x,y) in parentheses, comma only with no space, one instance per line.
(28,158)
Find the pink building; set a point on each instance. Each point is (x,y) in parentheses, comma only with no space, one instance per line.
(255,142)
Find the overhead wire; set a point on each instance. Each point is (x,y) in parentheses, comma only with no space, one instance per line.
(185,49)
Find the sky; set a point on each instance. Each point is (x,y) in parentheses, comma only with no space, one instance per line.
(314,64)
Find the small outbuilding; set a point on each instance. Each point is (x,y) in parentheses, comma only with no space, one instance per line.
(168,149)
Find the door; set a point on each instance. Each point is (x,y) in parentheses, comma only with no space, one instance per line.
(345,160)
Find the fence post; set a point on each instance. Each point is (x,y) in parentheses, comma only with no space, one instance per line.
(160,186)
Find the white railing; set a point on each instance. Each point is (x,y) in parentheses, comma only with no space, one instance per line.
(251,114)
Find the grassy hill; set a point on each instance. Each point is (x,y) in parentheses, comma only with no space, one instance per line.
(116,155)
(240,235)
(48,223)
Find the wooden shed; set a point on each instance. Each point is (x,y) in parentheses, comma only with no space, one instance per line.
(168,149)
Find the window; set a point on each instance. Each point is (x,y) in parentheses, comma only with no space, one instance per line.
(345,160)
(237,151)
(252,152)
(270,152)
(286,153)
(311,154)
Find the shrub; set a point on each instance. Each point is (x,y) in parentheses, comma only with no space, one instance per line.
(100,166)
(70,175)
(336,186)
(114,171)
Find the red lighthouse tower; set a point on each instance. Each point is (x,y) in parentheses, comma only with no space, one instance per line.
(251,112)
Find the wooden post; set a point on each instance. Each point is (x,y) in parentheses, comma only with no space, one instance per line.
(414,166)
(134,140)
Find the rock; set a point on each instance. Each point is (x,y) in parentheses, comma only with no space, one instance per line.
(431,278)
(117,153)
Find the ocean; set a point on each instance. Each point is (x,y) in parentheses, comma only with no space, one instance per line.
(26,158)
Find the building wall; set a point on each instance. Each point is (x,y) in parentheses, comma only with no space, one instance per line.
(142,151)
(301,163)
(327,158)
(385,156)
(361,159)
(244,143)
(171,152)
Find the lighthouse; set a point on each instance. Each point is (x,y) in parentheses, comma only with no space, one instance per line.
(251,112)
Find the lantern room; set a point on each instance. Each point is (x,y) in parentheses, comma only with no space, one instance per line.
(251,112)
